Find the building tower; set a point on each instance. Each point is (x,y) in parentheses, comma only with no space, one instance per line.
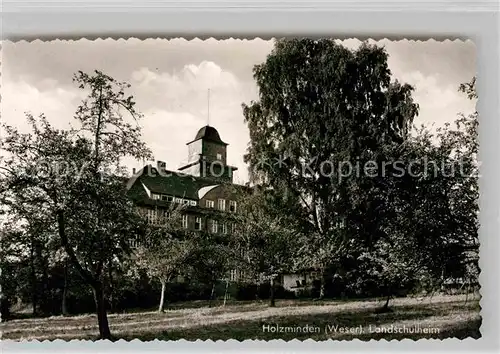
(207,156)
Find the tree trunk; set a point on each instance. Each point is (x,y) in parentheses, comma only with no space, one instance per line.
(225,292)
(386,305)
(322,288)
(64,305)
(34,290)
(45,284)
(90,279)
(386,308)
(211,295)
(111,297)
(102,317)
(162,298)
(272,302)
(322,285)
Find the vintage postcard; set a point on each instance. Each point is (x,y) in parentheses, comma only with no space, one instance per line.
(239,189)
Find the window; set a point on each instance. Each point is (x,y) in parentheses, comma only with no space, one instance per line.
(134,242)
(233,275)
(232,206)
(224,228)
(233,228)
(155,196)
(193,203)
(185,201)
(178,200)
(215,226)
(222,204)
(197,223)
(152,216)
(210,203)
(219,156)
(160,214)
(185,221)
(168,198)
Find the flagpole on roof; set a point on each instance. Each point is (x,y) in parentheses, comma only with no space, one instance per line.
(208,107)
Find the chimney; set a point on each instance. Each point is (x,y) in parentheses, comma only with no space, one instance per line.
(161,165)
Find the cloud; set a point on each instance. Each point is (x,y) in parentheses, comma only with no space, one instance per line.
(438,103)
(178,105)
(170,81)
(186,90)
(21,96)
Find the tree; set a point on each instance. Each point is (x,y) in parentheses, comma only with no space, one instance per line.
(164,250)
(210,261)
(323,109)
(264,239)
(447,200)
(75,173)
(433,235)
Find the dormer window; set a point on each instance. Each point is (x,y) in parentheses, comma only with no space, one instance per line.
(219,156)
(168,198)
(155,196)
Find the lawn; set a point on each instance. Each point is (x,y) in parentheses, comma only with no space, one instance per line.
(423,317)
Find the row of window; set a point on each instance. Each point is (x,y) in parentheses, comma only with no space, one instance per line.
(221,205)
(216,227)
(157,216)
(234,275)
(169,198)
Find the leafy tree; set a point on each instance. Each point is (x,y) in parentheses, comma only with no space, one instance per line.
(164,250)
(447,198)
(210,261)
(323,108)
(264,239)
(73,174)
(433,234)
(11,260)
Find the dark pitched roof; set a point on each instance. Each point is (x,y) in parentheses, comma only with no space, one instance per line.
(170,182)
(173,183)
(208,133)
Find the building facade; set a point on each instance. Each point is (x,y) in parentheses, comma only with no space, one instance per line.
(204,186)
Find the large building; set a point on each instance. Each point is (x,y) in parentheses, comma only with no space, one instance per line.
(204,185)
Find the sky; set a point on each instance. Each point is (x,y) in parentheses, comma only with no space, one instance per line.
(170,81)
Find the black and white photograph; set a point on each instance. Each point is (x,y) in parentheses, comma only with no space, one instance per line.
(286,188)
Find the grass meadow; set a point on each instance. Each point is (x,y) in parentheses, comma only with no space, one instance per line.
(443,316)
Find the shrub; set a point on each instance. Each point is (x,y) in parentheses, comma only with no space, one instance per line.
(5,304)
(249,291)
